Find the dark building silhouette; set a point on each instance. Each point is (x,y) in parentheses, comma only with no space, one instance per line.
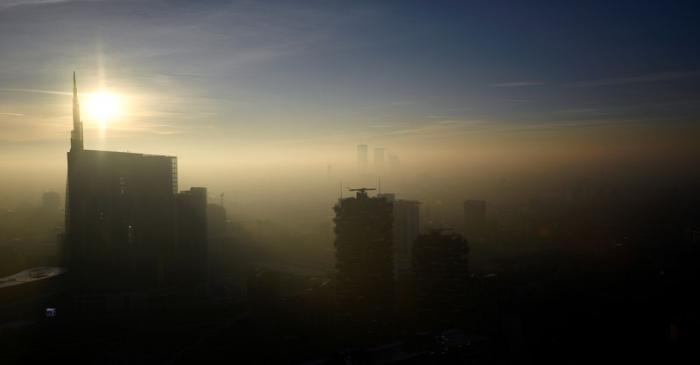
(406,225)
(475,220)
(364,241)
(362,159)
(406,229)
(192,236)
(441,275)
(216,221)
(120,218)
(127,228)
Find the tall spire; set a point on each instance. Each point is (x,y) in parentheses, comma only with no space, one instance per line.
(76,136)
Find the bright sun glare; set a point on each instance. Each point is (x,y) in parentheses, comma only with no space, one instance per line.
(102,107)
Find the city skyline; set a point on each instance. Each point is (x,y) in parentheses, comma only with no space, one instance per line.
(349,182)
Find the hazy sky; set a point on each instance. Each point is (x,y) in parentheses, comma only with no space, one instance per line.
(220,79)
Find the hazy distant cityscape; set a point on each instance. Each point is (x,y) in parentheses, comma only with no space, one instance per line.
(387,278)
(349,182)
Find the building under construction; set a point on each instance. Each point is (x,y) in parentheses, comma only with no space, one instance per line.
(364,240)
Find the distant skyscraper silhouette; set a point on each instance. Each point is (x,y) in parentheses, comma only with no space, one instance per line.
(364,240)
(379,159)
(362,159)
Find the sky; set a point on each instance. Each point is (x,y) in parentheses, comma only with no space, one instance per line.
(243,83)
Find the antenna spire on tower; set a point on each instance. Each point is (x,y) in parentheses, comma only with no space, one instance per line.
(76,137)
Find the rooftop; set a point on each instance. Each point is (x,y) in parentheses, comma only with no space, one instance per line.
(31,275)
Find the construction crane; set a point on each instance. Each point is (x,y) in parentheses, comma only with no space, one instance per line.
(362,192)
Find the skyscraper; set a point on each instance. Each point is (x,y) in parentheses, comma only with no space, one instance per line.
(441,275)
(406,229)
(76,135)
(406,225)
(364,240)
(192,237)
(216,222)
(379,159)
(362,160)
(121,217)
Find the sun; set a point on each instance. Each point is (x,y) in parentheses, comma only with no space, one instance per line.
(103,107)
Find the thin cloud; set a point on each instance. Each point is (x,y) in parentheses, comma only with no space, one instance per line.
(519,84)
(444,126)
(36,91)
(556,126)
(382,125)
(12,114)
(646,78)
(14,3)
